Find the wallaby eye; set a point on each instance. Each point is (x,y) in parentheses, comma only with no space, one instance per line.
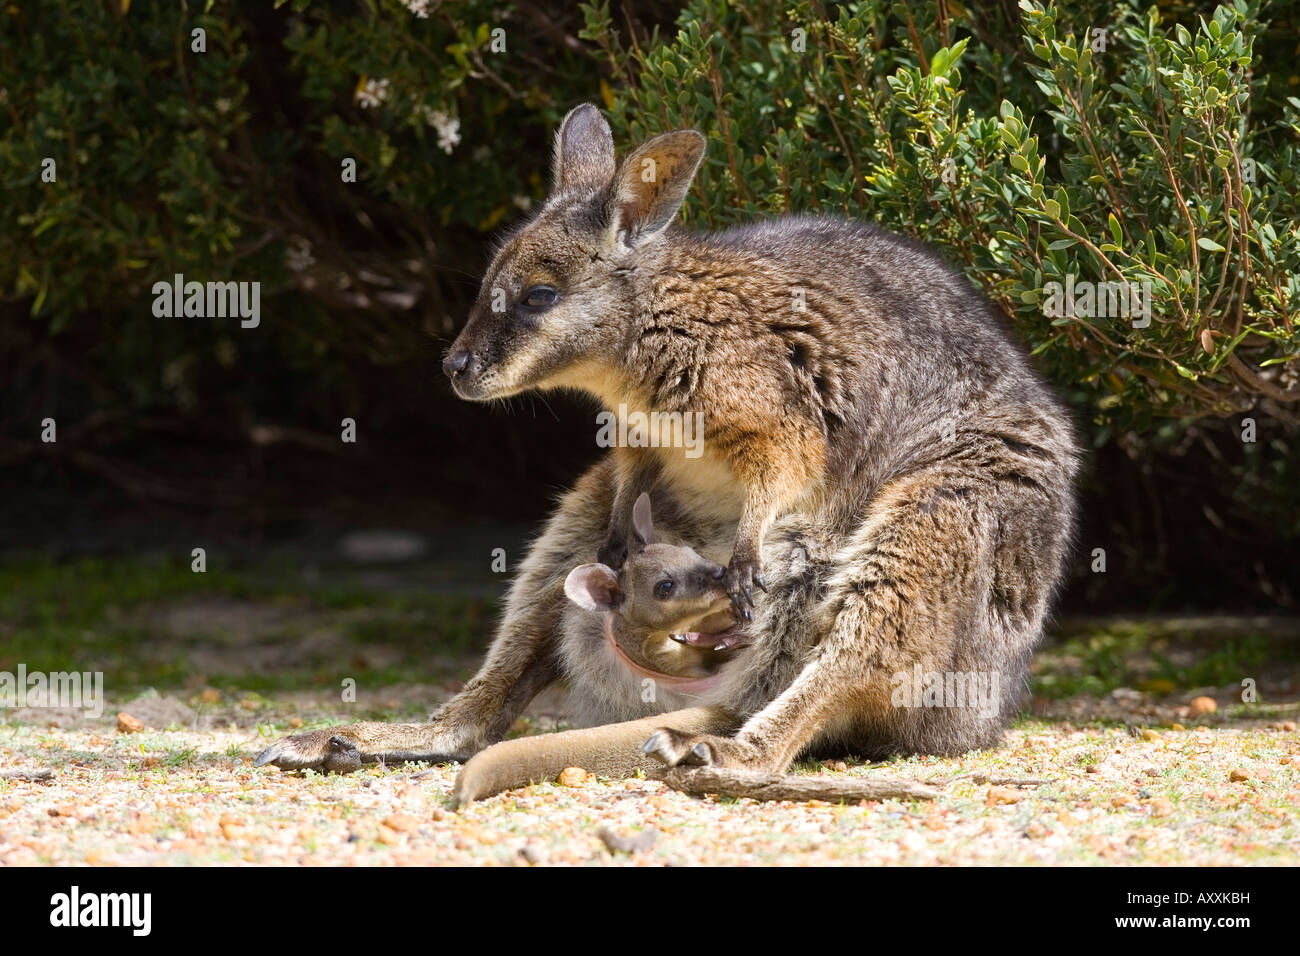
(540,297)
(663,590)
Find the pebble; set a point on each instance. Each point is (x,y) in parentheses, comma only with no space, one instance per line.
(532,854)
(633,843)
(1202,705)
(127,724)
(572,777)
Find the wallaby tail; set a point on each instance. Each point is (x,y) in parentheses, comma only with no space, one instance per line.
(613,750)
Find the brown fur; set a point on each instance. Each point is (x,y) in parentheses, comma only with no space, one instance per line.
(886,451)
(686,632)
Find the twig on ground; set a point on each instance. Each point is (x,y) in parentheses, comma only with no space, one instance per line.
(980,777)
(28,776)
(758,785)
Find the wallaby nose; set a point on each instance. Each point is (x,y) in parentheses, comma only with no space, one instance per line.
(719,572)
(455,362)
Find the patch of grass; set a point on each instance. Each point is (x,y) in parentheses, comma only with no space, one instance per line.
(1237,658)
(452,624)
(60,616)
(1142,656)
(97,615)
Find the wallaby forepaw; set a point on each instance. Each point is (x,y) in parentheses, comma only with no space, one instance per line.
(676,749)
(743,575)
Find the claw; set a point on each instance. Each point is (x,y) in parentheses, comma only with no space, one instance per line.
(731,643)
(758,579)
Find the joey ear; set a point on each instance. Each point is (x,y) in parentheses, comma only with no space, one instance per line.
(584,151)
(593,587)
(642,522)
(652,183)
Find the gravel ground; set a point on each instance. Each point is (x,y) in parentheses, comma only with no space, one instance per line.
(1093,787)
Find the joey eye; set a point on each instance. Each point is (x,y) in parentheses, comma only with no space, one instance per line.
(540,297)
(663,590)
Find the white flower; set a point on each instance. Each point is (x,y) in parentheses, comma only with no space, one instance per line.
(298,257)
(372,93)
(523,202)
(419,7)
(448,126)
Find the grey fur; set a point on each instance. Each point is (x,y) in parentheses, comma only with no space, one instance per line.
(902,472)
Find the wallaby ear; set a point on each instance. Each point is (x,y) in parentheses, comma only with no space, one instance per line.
(593,587)
(652,184)
(642,523)
(584,151)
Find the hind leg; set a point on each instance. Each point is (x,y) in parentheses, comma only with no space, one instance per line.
(949,574)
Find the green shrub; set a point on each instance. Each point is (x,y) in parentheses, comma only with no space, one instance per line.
(1150,153)
(227,164)
(997,134)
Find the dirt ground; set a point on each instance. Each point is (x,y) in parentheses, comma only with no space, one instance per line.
(1211,792)
(1116,761)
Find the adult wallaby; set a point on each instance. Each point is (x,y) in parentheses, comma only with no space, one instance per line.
(859,397)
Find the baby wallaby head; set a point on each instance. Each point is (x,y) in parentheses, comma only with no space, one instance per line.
(671,602)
